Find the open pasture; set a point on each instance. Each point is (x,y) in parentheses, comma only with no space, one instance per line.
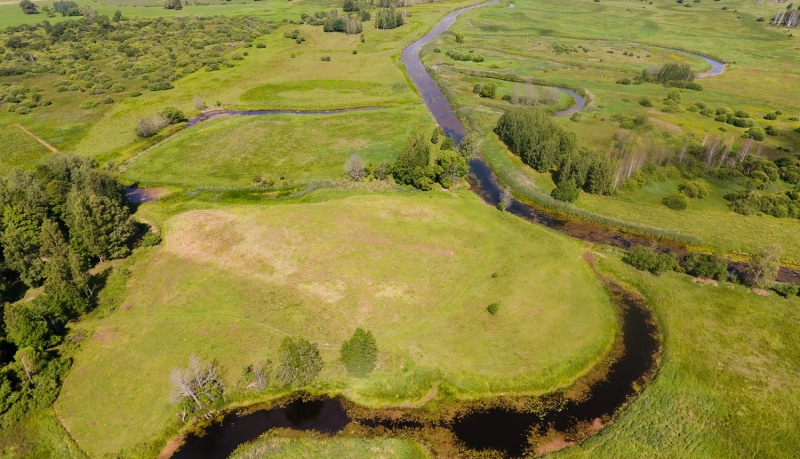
(618,40)
(728,382)
(19,150)
(231,151)
(417,270)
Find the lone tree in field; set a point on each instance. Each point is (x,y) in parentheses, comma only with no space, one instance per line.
(196,387)
(354,168)
(360,353)
(763,269)
(299,362)
(173,4)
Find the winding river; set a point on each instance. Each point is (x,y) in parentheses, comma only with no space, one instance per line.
(497,428)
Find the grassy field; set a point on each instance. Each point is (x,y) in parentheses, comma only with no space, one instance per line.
(728,386)
(19,150)
(39,435)
(527,41)
(351,448)
(267,78)
(229,152)
(418,270)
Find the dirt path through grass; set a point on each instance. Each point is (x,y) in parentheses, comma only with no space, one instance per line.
(37,138)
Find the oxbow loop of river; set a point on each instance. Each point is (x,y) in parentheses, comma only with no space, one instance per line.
(499,428)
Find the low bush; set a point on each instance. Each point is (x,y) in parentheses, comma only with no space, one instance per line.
(493,308)
(702,265)
(488,90)
(566,190)
(325,58)
(645,259)
(645,101)
(696,188)
(89,104)
(770,116)
(754,133)
(676,201)
(785,289)
(160,86)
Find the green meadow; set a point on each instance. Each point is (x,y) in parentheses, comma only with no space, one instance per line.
(620,41)
(727,385)
(231,151)
(405,267)
(388,448)
(239,269)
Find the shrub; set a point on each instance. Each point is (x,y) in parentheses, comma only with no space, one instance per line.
(566,191)
(785,289)
(576,117)
(696,188)
(325,58)
(360,353)
(488,91)
(645,101)
(22,110)
(173,115)
(755,133)
(261,46)
(299,362)
(770,116)
(493,308)
(701,265)
(645,259)
(160,86)
(108,100)
(135,93)
(150,127)
(151,239)
(89,104)
(676,201)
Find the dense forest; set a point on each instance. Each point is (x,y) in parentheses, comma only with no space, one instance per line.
(56,222)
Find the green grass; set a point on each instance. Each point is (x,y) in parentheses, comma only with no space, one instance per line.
(267,78)
(519,41)
(728,383)
(417,270)
(334,448)
(19,150)
(229,152)
(39,435)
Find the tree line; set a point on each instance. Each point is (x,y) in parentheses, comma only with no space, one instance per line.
(55,223)
(415,165)
(198,389)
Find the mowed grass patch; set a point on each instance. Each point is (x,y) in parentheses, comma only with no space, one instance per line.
(333,448)
(18,149)
(231,151)
(417,270)
(729,382)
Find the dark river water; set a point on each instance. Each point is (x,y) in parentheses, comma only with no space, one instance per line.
(497,429)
